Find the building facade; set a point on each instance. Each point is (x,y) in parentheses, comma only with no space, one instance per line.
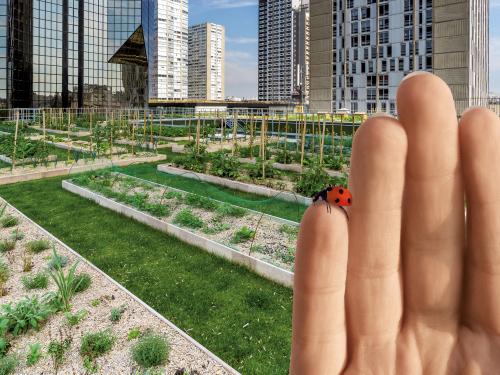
(362,49)
(206,67)
(88,53)
(275,76)
(301,37)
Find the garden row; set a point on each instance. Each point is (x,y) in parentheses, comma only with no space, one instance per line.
(60,314)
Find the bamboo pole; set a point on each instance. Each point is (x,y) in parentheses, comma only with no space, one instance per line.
(251,136)
(111,135)
(144,127)
(263,132)
(235,125)
(134,123)
(342,134)
(322,142)
(198,135)
(304,127)
(151,128)
(69,138)
(15,141)
(333,138)
(44,131)
(286,133)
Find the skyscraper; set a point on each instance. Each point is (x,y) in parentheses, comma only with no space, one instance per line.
(362,49)
(301,37)
(275,50)
(206,61)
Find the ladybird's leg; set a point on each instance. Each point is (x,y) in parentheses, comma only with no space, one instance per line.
(479,139)
(373,291)
(319,331)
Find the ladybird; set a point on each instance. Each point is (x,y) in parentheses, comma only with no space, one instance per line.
(334,195)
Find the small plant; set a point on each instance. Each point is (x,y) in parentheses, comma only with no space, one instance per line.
(16,235)
(82,282)
(289,256)
(66,283)
(151,350)
(223,165)
(199,201)
(38,281)
(76,318)
(242,235)
(290,231)
(186,218)
(95,302)
(173,195)
(34,354)
(9,221)
(7,245)
(27,262)
(116,313)
(4,275)
(230,210)
(313,180)
(37,246)
(156,209)
(57,350)
(90,366)
(28,313)
(57,262)
(96,344)
(8,364)
(133,334)
(216,227)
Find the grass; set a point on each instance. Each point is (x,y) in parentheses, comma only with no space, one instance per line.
(187,218)
(272,206)
(37,281)
(241,317)
(37,246)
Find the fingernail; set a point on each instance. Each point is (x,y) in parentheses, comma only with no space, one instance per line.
(382,114)
(413,74)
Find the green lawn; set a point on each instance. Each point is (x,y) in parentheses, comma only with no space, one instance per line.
(243,318)
(271,206)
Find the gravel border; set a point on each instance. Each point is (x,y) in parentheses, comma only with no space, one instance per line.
(185,352)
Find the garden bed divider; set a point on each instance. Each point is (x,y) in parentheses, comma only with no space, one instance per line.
(237,185)
(53,238)
(258,266)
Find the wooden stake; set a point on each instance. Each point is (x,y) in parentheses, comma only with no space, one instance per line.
(235,125)
(303,143)
(322,142)
(111,135)
(69,138)
(151,128)
(15,141)
(251,136)
(198,135)
(341,135)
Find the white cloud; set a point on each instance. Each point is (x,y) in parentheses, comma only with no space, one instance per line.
(241,40)
(226,4)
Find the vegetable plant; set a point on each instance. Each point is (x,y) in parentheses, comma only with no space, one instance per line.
(29,313)
(223,165)
(4,275)
(76,318)
(8,364)
(150,350)
(7,245)
(116,313)
(242,235)
(34,354)
(133,334)
(82,282)
(57,350)
(187,218)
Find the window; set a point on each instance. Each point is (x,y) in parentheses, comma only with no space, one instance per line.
(363,67)
(354,107)
(384,65)
(371,94)
(365,26)
(428,46)
(365,12)
(350,81)
(401,64)
(370,66)
(428,62)
(381,51)
(408,5)
(355,54)
(354,27)
(353,68)
(389,51)
(428,31)
(365,53)
(365,39)
(383,10)
(354,94)
(354,14)
(371,80)
(383,80)
(408,20)
(370,107)
(383,94)
(354,41)
(383,24)
(392,65)
(383,37)
(408,34)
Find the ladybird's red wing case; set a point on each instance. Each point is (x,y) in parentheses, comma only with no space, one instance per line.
(340,196)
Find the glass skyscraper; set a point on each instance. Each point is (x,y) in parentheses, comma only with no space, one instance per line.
(77,53)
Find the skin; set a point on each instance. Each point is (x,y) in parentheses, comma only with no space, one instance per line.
(410,284)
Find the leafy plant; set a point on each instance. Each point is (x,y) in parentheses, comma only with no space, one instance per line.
(34,354)
(216,227)
(38,281)
(150,350)
(288,257)
(82,282)
(66,283)
(76,318)
(255,170)
(230,210)
(90,366)
(7,245)
(95,302)
(8,364)
(133,334)
(193,160)
(9,221)
(223,165)
(37,246)
(57,262)
(57,350)
(200,202)
(312,180)
(16,235)
(186,218)
(156,209)
(4,275)
(242,235)
(290,231)
(116,313)
(96,344)
(27,313)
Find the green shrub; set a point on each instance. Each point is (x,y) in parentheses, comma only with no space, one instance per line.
(7,245)
(57,262)
(34,354)
(116,313)
(96,344)
(8,364)
(16,235)
(4,274)
(9,221)
(151,350)
(37,246)
(57,350)
(193,161)
(201,202)
(82,282)
(223,165)
(242,235)
(255,170)
(186,218)
(38,281)
(133,334)
(156,209)
(76,318)
(230,210)
(173,195)
(312,181)
(28,313)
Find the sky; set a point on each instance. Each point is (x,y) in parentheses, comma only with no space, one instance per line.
(240,18)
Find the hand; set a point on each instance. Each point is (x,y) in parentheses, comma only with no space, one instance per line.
(398,289)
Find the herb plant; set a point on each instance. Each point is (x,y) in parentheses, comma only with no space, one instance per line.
(242,235)
(37,246)
(37,281)
(151,350)
(187,218)
(34,354)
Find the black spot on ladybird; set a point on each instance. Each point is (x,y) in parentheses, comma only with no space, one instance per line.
(337,200)
(329,189)
(348,200)
(341,191)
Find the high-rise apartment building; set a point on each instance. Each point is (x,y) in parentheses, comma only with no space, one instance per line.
(166,27)
(301,36)
(275,50)
(362,49)
(206,61)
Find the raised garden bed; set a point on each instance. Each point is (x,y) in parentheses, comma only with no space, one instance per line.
(264,243)
(78,133)
(104,329)
(237,185)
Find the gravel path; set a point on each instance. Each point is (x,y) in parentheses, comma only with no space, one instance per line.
(183,354)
